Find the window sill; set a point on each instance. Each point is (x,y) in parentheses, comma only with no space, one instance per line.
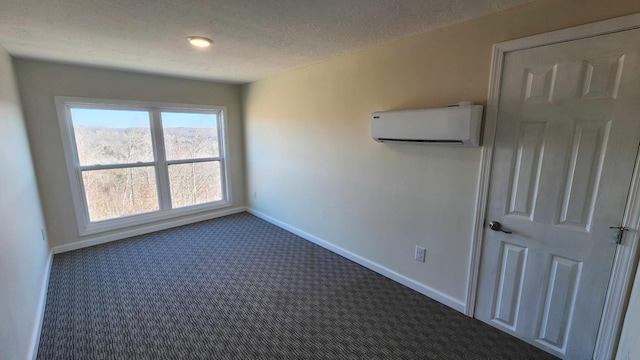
(147,218)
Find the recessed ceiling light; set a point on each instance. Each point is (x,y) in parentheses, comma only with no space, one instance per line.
(199,41)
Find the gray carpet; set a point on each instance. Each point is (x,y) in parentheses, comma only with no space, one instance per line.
(240,288)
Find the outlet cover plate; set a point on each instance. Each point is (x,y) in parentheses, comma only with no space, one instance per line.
(420,253)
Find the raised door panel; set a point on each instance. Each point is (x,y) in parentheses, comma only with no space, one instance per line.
(583,174)
(557,312)
(509,285)
(526,169)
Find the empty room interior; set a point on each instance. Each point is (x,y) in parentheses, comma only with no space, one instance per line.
(282,179)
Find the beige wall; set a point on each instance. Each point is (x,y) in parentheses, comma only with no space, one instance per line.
(39,82)
(24,254)
(312,164)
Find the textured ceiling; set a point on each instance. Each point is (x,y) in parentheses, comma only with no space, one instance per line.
(253,39)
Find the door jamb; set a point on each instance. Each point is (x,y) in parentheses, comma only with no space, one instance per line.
(626,253)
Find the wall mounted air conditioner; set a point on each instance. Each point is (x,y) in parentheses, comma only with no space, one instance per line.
(453,125)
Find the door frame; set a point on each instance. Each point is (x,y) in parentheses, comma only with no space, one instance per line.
(627,252)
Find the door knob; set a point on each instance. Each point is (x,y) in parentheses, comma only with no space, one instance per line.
(621,230)
(496,226)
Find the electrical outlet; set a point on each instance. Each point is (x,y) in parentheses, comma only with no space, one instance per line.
(44,235)
(420,253)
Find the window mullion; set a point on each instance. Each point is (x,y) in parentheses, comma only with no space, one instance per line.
(115,166)
(191,161)
(162,171)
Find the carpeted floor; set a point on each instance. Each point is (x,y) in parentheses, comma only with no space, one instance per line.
(240,288)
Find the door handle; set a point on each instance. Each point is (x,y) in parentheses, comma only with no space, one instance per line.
(621,230)
(496,226)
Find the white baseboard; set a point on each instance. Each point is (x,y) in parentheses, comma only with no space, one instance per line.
(421,288)
(146,229)
(37,326)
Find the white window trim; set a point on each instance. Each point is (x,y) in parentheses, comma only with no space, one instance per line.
(85,226)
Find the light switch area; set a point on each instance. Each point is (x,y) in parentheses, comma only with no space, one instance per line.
(44,235)
(420,253)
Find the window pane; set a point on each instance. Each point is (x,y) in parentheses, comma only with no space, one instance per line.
(190,136)
(112,136)
(120,192)
(195,183)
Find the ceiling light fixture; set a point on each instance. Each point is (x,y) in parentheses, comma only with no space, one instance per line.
(199,41)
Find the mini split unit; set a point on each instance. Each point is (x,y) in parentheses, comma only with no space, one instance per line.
(454,125)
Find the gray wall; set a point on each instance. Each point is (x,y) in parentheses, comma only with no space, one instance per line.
(24,255)
(39,82)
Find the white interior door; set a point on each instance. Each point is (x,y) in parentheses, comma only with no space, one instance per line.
(567,137)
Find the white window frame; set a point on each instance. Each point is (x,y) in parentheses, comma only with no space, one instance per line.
(160,163)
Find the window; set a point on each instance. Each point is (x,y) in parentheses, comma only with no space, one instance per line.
(131,163)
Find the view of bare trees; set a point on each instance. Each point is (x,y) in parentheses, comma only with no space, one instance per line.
(120,192)
(195,183)
(190,143)
(130,190)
